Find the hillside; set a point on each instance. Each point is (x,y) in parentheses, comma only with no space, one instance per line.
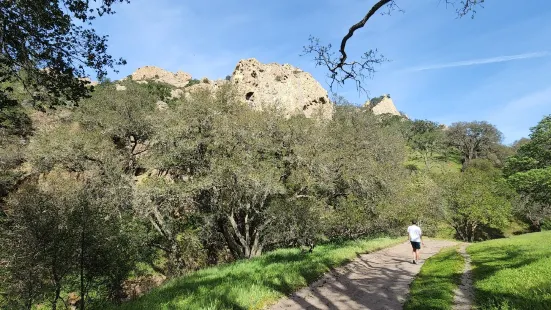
(162,175)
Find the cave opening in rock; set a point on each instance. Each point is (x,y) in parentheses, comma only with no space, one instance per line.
(249,95)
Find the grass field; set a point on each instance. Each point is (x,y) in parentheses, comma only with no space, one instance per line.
(433,287)
(254,283)
(513,273)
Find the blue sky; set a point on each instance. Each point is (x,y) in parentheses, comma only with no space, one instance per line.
(495,67)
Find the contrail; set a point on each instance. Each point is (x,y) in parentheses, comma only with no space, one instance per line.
(482,61)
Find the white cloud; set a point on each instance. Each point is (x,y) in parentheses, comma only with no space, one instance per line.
(473,62)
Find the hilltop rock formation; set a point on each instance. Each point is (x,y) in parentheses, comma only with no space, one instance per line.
(178,79)
(283,86)
(382,105)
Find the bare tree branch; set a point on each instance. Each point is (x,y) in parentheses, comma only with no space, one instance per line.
(341,70)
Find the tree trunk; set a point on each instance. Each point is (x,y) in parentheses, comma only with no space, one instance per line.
(56,298)
(535,226)
(236,251)
(82,247)
(257,246)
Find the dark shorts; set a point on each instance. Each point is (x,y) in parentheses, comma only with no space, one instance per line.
(416,245)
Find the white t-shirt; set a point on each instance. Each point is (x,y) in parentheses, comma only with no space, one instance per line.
(414,232)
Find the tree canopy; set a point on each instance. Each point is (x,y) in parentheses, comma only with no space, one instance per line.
(48,45)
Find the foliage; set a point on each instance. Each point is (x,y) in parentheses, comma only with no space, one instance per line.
(245,172)
(125,117)
(205,180)
(513,273)
(426,138)
(47,45)
(66,236)
(476,199)
(434,286)
(363,158)
(473,140)
(419,198)
(529,172)
(193,82)
(255,283)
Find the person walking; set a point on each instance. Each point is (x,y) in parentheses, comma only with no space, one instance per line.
(416,239)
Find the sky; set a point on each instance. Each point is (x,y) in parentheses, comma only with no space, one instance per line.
(495,67)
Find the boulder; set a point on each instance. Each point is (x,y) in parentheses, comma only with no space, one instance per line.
(120,87)
(284,87)
(176,93)
(178,79)
(161,105)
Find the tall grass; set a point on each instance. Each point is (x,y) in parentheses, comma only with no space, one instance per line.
(255,283)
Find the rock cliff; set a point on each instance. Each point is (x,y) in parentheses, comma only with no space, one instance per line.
(282,86)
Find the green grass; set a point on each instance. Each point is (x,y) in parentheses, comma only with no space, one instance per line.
(513,273)
(434,285)
(437,164)
(255,283)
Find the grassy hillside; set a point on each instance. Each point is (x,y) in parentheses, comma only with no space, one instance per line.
(437,163)
(254,283)
(513,273)
(433,288)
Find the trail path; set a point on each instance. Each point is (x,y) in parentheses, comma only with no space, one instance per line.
(378,280)
(464,294)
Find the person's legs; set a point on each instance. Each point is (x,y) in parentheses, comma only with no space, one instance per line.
(416,246)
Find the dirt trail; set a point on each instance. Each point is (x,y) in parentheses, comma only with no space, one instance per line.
(378,280)
(464,294)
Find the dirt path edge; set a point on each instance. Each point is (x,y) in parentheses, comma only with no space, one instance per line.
(464,294)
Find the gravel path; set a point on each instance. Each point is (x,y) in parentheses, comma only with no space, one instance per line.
(378,280)
(464,294)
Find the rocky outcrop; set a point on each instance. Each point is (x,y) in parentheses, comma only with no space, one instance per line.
(178,79)
(282,86)
(382,105)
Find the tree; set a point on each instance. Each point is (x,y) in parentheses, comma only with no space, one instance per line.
(341,69)
(476,199)
(473,140)
(48,45)
(358,167)
(70,223)
(529,172)
(418,197)
(126,117)
(426,138)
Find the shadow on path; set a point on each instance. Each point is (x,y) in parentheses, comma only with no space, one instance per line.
(378,280)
